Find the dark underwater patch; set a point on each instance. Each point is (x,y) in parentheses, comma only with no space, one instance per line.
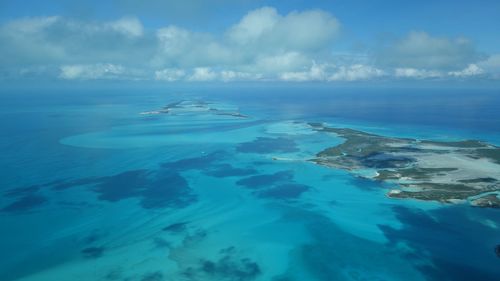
(155,190)
(92,238)
(284,191)
(153,276)
(22,191)
(115,274)
(228,267)
(161,243)
(261,181)
(459,247)
(226,170)
(170,190)
(268,145)
(122,186)
(62,185)
(25,203)
(176,227)
(93,252)
(332,252)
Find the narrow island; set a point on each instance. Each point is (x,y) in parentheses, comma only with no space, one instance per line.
(443,171)
(194,106)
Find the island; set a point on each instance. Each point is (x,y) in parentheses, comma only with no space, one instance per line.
(444,171)
(196,106)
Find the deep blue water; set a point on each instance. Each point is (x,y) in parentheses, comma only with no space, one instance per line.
(92,190)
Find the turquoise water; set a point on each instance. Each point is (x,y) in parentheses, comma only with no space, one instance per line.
(93,190)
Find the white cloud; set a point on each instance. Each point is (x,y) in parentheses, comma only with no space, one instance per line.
(279,62)
(417,73)
(254,25)
(182,48)
(129,26)
(57,40)
(230,75)
(266,30)
(491,66)
(263,45)
(422,51)
(355,73)
(170,74)
(92,72)
(263,41)
(471,70)
(317,72)
(30,25)
(202,74)
(333,73)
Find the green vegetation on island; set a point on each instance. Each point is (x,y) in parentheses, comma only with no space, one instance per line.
(447,171)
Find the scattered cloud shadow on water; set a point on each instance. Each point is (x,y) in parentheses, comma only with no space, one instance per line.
(458,245)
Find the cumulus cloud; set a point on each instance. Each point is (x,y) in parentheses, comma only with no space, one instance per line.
(262,41)
(471,70)
(356,72)
(491,65)
(182,48)
(297,31)
(420,50)
(279,62)
(86,72)
(57,40)
(202,74)
(328,72)
(230,75)
(170,74)
(264,45)
(129,26)
(417,73)
(317,72)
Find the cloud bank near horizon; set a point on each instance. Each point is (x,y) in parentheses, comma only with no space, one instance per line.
(263,45)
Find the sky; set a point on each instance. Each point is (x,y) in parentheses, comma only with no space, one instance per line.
(335,41)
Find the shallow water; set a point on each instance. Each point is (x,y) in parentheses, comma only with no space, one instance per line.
(93,190)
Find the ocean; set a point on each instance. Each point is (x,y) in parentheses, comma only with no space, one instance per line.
(215,183)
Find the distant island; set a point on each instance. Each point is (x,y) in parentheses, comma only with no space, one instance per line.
(421,169)
(193,106)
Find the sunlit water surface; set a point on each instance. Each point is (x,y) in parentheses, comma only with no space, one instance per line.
(93,190)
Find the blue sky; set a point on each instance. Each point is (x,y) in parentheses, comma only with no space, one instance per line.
(295,40)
